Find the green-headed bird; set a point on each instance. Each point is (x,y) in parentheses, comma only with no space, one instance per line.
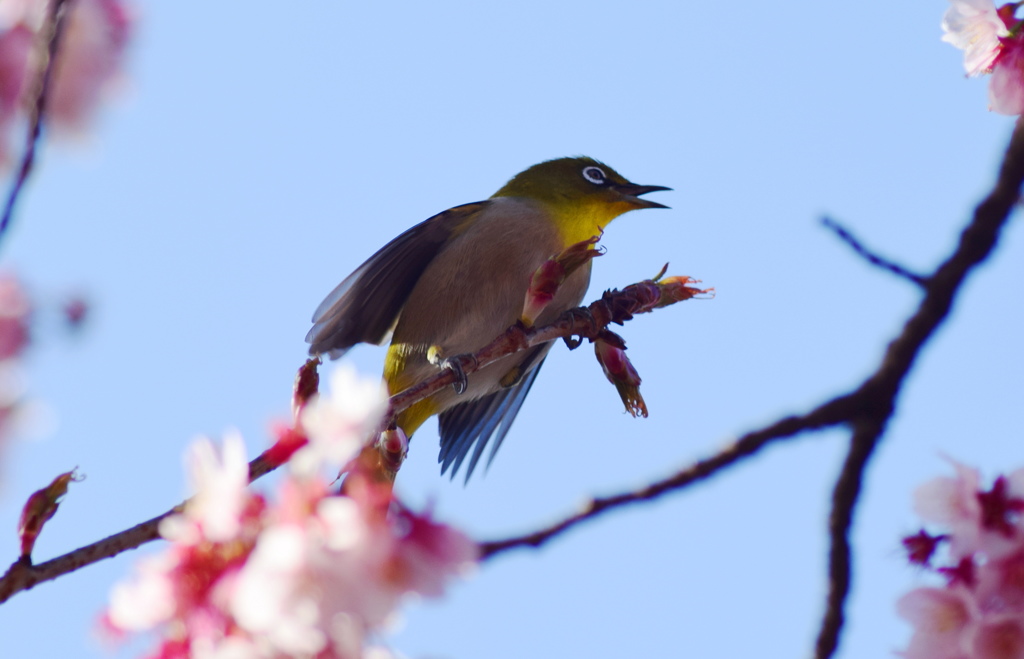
(451,284)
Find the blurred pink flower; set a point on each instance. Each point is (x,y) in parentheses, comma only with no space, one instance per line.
(92,50)
(75,310)
(323,583)
(1006,89)
(339,422)
(427,554)
(148,599)
(15,311)
(953,502)
(311,575)
(89,61)
(980,612)
(978,521)
(1000,638)
(220,479)
(941,620)
(15,46)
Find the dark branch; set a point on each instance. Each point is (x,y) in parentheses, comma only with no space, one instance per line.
(844,499)
(51,32)
(614,306)
(870,256)
(829,414)
(22,575)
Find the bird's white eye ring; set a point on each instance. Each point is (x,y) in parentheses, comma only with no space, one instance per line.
(594,174)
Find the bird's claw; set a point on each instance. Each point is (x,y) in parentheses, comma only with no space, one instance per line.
(454,364)
(582,314)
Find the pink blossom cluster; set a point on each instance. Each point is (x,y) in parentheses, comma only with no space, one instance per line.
(979,611)
(15,316)
(992,43)
(309,574)
(91,51)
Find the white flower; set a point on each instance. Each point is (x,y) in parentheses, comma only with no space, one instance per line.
(220,479)
(275,595)
(310,586)
(148,599)
(338,423)
(974,26)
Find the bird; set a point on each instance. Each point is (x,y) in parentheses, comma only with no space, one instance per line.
(454,282)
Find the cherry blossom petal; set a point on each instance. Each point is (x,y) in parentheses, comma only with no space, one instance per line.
(148,599)
(999,639)
(220,478)
(430,554)
(941,620)
(953,502)
(339,422)
(1001,583)
(1006,88)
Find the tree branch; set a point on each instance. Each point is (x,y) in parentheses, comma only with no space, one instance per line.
(52,30)
(870,256)
(844,499)
(828,414)
(614,306)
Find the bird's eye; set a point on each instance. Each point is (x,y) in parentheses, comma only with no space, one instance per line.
(594,174)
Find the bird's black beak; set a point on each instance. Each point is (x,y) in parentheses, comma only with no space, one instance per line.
(632,192)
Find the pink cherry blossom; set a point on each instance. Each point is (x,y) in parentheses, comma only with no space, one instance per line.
(95,39)
(321,585)
(942,621)
(15,47)
(1001,637)
(15,311)
(220,479)
(339,423)
(88,64)
(953,502)
(975,27)
(991,39)
(1006,89)
(980,612)
(977,519)
(312,574)
(427,554)
(148,599)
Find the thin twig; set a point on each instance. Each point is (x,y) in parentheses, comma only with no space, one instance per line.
(872,258)
(51,31)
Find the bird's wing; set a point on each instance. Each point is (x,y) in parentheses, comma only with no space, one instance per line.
(476,421)
(364,307)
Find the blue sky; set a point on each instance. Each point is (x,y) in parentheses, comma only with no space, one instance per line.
(258,157)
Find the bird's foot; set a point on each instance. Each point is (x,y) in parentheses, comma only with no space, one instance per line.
(583,316)
(456,364)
